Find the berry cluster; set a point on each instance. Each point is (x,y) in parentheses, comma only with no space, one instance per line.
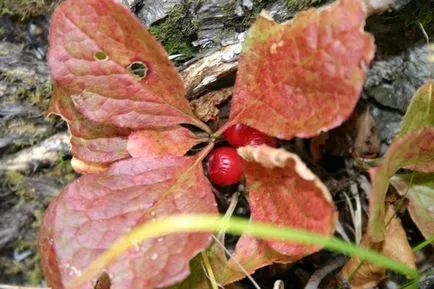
(224,164)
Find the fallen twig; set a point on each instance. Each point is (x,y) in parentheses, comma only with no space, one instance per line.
(46,152)
(4,286)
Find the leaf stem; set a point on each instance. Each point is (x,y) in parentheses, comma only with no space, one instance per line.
(236,225)
(209,270)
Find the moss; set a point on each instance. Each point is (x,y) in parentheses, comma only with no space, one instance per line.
(15,179)
(14,75)
(229,10)
(39,95)
(176,31)
(30,267)
(25,9)
(63,170)
(18,184)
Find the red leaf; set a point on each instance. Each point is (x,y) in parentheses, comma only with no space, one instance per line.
(92,212)
(305,76)
(283,191)
(92,47)
(413,149)
(175,141)
(100,149)
(90,141)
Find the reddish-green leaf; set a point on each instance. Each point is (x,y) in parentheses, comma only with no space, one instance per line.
(174,141)
(305,76)
(419,189)
(113,68)
(413,149)
(91,213)
(420,113)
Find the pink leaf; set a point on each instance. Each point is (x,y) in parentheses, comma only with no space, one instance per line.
(113,68)
(175,141)
(90,142)
(95,210)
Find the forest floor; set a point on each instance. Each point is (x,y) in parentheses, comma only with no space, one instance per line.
(34,149)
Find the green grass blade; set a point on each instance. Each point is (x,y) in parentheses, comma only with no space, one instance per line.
(238,226)
(423,244)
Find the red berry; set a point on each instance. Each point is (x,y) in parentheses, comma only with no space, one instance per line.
(240,135)
(224,166)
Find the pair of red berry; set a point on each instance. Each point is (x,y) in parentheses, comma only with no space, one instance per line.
(224,164)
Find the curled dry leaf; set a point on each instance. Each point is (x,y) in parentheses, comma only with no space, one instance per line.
(95,210)
(206,106)
(413,149)
(171,141)
(305,76)
(271,158)
(83,167)
(394,246)
(418,188)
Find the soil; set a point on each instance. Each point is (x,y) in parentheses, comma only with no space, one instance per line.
(28,185)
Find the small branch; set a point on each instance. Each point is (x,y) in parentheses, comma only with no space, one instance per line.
(4,286)
(208,70)
(47,152)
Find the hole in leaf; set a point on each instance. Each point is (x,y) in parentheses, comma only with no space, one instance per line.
(138,68)
(100,56)
(103,282)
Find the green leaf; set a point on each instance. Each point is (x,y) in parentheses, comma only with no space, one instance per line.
(419,189)
(420,112)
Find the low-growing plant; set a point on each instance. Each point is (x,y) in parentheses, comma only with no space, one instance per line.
(124,102)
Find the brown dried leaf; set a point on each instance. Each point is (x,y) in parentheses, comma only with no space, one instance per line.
(394,246)
(206,107)
(357,136)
